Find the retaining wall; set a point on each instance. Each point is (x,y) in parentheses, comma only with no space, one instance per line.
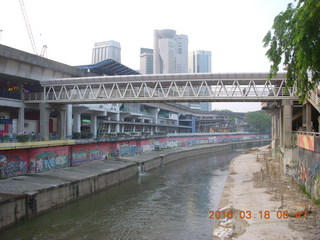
(16,162)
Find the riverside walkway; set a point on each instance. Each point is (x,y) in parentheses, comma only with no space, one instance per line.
(260,198)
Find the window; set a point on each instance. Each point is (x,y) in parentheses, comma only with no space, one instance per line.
(2,126)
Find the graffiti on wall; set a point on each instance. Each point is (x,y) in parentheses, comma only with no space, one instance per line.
(127,150)
(45,161)
(308,172)
(96,155)
(173,143)
(15,162)
(11,165)
(79,157)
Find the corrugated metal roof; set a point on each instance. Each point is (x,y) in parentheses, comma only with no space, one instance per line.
(109,67)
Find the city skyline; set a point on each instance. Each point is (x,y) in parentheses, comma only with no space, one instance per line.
(231,30)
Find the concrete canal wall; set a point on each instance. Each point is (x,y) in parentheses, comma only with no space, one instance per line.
(14,162)
(26,196)
(306,168)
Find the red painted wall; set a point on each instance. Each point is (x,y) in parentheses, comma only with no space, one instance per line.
(35,160)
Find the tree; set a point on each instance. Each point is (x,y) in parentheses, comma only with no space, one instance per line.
(259,121)
(295,42)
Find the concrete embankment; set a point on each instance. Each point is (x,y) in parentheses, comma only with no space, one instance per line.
(22,197)
(259,202)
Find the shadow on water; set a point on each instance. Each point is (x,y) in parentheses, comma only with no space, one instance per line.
(171,202)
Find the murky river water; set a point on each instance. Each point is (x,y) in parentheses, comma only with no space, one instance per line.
(171,203)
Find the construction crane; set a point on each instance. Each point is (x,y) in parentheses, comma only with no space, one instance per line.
(26,20)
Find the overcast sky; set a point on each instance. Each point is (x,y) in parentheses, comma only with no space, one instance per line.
(231,29)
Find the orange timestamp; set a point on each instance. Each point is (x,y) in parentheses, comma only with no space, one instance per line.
(250,215)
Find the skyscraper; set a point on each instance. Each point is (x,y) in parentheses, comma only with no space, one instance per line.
(146,61)
(170,52)
(106,50)
(199,61)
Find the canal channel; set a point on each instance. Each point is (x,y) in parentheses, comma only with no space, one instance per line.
(171,202)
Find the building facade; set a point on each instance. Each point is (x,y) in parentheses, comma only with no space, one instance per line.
(199,61)
(146,61)
(106,50)
(170,52)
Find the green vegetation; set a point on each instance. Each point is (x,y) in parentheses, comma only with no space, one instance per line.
(222,111)
(23,138)
(295,42)
(304,190)
(259,121)
(82,135)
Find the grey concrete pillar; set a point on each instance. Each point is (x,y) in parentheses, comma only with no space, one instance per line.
(76,127)
(21,120)
(278,127)
(275,128)
(44,121)
(20,126)
(117,124)
(304,125)
(287,123)
(63,124)
(308,117)
(93,125)
(69,120)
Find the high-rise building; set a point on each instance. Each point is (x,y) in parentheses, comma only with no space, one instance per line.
(106,50)
(199,61)
(146,61)
(170,52)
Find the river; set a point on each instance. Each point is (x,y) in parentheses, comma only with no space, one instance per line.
(171,203)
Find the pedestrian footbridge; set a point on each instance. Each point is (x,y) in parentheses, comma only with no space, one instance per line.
(204,87)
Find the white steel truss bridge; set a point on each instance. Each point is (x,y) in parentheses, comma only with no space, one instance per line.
(208,87)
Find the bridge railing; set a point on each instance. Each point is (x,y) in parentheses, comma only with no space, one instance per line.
(36,96)
(314,99)
(313,134)
(89,92)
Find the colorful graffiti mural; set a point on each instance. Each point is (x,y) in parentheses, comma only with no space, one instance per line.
(36,160)
(11,165)
(308,171)
(44,159)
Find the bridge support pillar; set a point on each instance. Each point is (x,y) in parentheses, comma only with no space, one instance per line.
(76,127)
(286,123)
(93,125)
(63,123)
(275,128)
(69,120)
(290,155)
(117,124)
(308,117)
(21,119)
(44,121)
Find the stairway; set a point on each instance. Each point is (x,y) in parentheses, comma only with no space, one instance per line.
(314,99)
